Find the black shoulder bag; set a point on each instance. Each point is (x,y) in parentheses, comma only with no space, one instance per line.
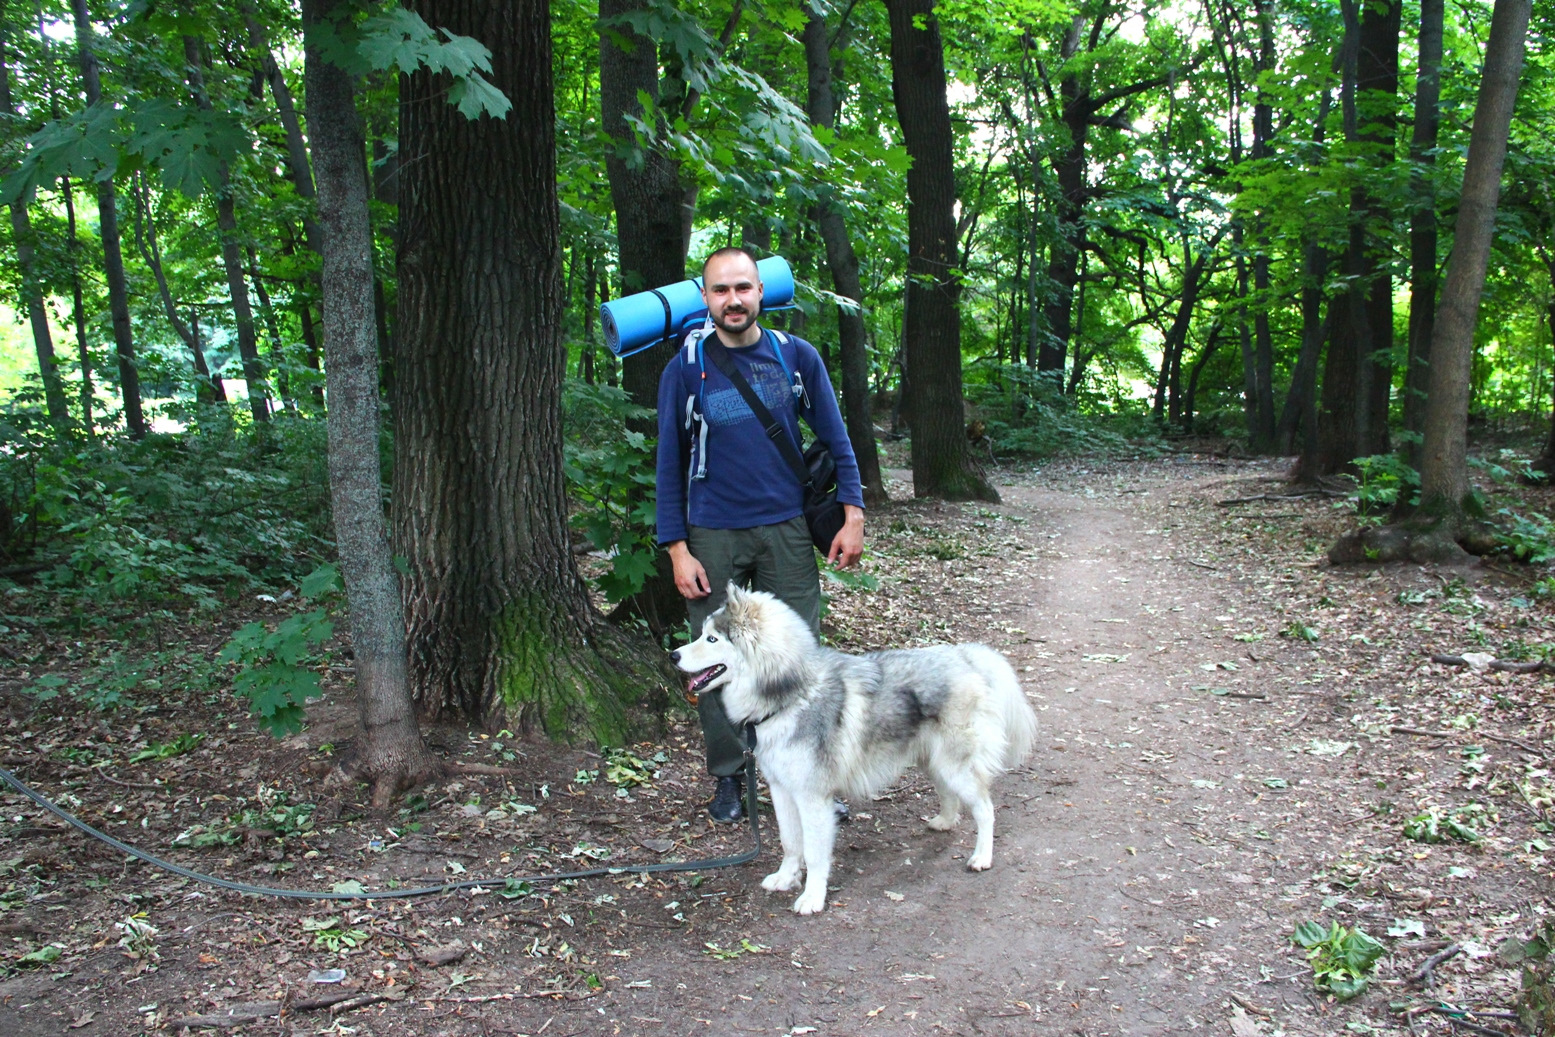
(816,471)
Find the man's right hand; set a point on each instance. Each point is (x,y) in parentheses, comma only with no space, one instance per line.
(690,577)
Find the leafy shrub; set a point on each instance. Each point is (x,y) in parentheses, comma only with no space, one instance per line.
(1529,538)
(1027,413)
(1381,479)
(275,667)
(610,476)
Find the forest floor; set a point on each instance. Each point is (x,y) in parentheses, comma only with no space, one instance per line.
(1235,737)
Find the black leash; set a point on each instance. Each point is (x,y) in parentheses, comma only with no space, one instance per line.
(421,891)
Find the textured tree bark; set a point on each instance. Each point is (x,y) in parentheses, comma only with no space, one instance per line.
(942,464)
(1422,221)
(853,339)
(1377,81)
(1341,414)
(113,256)
(1434,530)
(54,398)
(388,751)
(232,254)
(1263,430)
(498,619)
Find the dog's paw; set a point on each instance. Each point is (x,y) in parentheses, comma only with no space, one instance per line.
(980,861)
(941,823)
(780,881)
(810,902)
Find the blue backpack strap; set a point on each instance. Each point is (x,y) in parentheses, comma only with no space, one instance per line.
(795,378)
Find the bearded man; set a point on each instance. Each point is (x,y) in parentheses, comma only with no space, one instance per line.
(730,507)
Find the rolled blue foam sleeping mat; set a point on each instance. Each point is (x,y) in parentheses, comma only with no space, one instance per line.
(638,321)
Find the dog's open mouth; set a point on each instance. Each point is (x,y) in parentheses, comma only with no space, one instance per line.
(706,677)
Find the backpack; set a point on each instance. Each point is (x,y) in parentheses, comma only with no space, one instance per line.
(694,363)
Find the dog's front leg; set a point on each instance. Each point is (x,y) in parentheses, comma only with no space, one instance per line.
(791,833)
(819,824)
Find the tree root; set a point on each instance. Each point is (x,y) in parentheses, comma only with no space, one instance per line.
(1424,545)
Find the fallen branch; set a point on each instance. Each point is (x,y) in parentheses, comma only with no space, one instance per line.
(1504,665)
(1398,730)
(1203,565)
(249,1011)
(1304,495)
(1534,750)
(1425,975)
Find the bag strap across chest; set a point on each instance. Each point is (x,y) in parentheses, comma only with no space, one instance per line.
(719,355)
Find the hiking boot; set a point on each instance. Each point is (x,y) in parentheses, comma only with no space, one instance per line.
(727,802)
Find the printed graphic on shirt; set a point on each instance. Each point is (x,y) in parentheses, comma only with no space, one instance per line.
(727,407)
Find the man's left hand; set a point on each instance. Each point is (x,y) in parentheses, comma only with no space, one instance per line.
(848,544)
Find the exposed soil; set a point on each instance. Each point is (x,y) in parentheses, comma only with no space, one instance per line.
(1220,760)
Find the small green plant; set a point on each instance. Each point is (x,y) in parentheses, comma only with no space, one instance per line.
(166,750)
(1297,629)
(1341,958)
(1434,826)
(625,769)
(139,939)
(329,934)
(275,669)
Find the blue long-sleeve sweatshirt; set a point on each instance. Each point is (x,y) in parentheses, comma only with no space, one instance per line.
(747,481)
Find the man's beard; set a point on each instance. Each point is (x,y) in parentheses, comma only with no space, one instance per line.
(720,320)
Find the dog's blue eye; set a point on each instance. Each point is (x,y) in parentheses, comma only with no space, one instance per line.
(711,639)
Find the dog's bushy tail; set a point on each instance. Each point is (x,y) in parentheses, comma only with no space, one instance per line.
(1008,701)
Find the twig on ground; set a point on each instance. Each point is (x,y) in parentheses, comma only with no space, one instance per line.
(1397,729)
(1250,1006)
(242,1014)
(1425,975)
(1203,565)
(1504,665)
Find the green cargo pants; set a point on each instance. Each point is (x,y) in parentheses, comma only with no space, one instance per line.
(778,559)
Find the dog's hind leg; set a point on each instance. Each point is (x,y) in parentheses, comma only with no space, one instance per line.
(949,802)
(819,824)
(791,833)
(972,789)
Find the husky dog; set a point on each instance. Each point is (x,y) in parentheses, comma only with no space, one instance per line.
(830,724)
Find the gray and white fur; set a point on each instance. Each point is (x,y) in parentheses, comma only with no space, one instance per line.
(829,724)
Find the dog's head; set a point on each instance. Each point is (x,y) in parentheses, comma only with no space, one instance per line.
(730,637)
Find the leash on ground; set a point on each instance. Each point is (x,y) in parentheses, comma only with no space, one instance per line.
(499,882)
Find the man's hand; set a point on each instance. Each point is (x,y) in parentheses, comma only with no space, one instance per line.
(848,544)
(691,578)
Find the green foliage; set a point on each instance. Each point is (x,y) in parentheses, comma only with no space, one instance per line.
(329,934)
(1380,479)
(166,750)
(1341,958)
(1527,538)
(269,812)
(610,476)
(1435,826)
(276,667)
(1028,413)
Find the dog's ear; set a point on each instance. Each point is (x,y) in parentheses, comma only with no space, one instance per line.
(740,610)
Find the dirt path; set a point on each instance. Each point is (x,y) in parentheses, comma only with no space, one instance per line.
(1200,785)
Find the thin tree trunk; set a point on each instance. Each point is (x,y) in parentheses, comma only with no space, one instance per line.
(853,338)
(277,350)
(113,257)
(1263,439)
(499,620)
(232,255)
(54,397)
(1377,80)
(1422,221)
(389,751)
(941,461)
(1302,398)
(296,150)
(208,387)
(78,307)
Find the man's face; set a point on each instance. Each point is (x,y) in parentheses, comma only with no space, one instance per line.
(732,290)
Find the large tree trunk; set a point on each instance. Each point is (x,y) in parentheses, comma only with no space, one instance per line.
(1377,82)
(31,288)
(1432,532)
(232,254)
(388,751)
(498,617)
(113,256)
(1422,221)
(853,339)
(942,464)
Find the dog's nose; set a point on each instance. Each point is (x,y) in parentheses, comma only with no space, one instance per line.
(675,656)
